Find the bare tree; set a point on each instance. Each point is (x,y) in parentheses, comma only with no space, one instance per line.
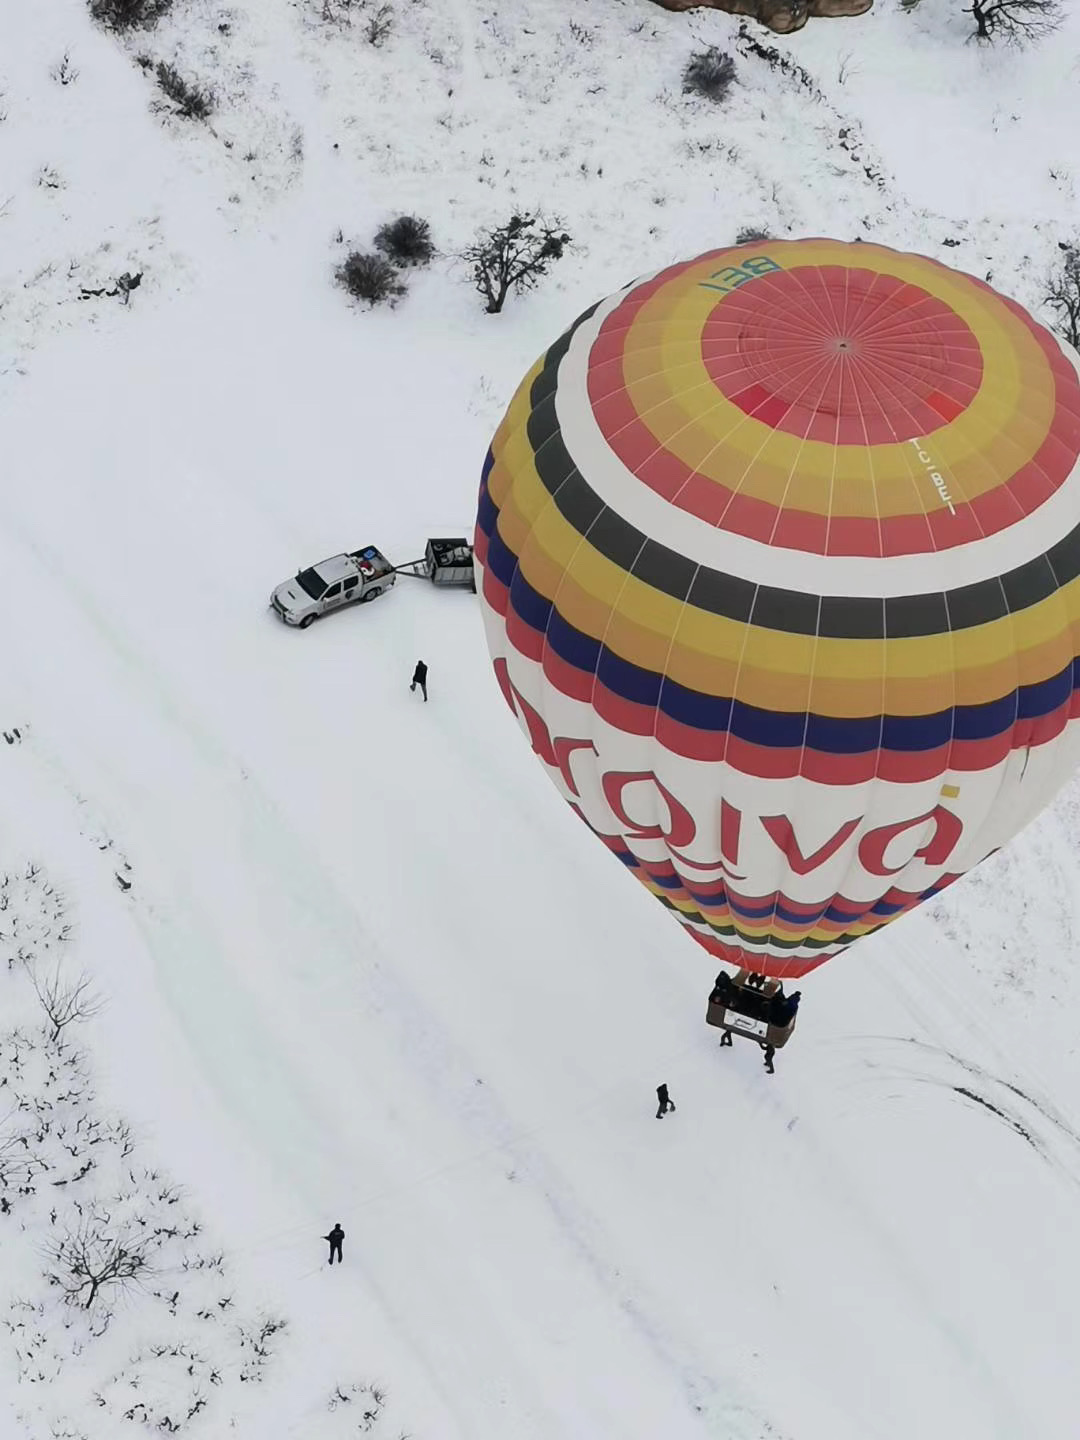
(1017,22)
(64,999)
(514,256)
(93,1257)
(1062,295)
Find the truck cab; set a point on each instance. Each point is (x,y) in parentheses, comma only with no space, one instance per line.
(346,579)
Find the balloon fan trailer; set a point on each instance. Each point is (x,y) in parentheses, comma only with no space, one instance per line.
(446,563)
(778,555)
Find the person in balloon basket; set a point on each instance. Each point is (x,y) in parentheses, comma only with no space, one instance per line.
(336,1237)
(419,677)
(784,1008)
(666,1102)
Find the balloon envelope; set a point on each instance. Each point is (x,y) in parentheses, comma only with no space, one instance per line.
(779,553)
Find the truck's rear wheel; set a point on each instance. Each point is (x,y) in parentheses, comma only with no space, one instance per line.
(370,594)
(307,620)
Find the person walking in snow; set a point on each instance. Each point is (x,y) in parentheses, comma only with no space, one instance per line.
(336,1236)
(770,1051)
(666,1102)
(419,677)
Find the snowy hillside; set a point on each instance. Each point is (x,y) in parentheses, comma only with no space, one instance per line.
(354,960)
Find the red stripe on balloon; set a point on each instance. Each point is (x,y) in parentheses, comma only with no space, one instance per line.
(495,593)
(760,963)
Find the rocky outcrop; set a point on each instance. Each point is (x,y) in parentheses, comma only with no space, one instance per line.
(783,16)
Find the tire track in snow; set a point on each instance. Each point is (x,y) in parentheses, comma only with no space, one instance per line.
(840,1180)
(432,1054)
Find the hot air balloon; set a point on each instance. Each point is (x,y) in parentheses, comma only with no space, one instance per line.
(778,552)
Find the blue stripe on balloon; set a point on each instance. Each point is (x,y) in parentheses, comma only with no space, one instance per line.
(529,604)
(714,714)
(1047,695)
(487,512)
(979,722)
(916,732)
(501,560)
(631,682)
(579,650)
(887,907)
(669,882)
(688,707)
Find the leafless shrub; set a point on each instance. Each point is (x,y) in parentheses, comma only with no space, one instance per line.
(129,14)
(709,73)
(19,1158)
(514,256)
(64,999)
(846,67)
(190,100)
(163,1387)
(92,1257)
(406,240)
(364,1404)
(371,278)
(31,914)
(1062,295)
(752,235)
(64,72)
(379,24)
(255,1338)
(339,12)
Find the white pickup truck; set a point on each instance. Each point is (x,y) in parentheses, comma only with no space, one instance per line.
(358,575)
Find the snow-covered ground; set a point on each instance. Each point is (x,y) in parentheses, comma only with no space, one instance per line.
(363,966)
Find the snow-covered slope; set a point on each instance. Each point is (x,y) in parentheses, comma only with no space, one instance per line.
(368,968)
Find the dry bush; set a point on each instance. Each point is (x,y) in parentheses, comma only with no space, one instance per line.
(191,101)
(709,73)
(406,240)
(370,277)
(124,15)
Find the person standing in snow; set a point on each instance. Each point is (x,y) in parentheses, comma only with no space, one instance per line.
(770,1051)
(336,1236)
(666,1102)
(419,677)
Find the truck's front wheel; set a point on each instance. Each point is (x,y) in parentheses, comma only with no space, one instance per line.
(307,620)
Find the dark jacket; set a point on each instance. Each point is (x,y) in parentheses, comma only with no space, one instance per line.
(336,1236)
(419,675)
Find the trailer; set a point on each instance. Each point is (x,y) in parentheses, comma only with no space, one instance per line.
(447,563)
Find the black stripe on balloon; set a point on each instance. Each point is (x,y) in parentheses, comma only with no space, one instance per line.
(847,617)
(777,729)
